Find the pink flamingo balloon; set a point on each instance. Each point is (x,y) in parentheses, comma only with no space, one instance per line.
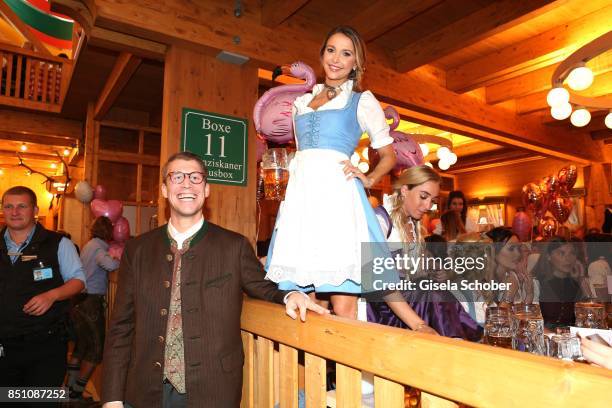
(272,112)
(407,150)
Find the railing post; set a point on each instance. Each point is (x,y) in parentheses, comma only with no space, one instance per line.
(248,386)
(264,363)
(288,377)
(388,394)
(348,387)
(315,373)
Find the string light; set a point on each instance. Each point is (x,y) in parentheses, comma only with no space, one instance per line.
(53,165)
(23,147)
(557,96)
(608,120)
(424,149)
(66,151)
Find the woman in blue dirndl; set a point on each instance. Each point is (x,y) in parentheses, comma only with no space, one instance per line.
(317,241)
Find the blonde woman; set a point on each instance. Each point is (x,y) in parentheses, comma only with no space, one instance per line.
(416,190)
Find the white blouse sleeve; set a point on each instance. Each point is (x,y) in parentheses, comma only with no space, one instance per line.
(372,120)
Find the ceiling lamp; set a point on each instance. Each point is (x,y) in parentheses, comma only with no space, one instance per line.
(424,149)
(442,152)
(355,159)
(363,167)
(608,120)
(579,77)
(23,147)
(580,117)
(452,158)
(557,96)
(66,152)
(561,112)
(54,165)
(443,165)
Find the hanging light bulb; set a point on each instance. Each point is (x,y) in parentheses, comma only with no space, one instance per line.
(28,173)
(443,165)
(23,147)
(557,96)
(363,167)
(561,112)
(66,151)
(54,165)
(364,153)
(580,78)
(355,159)
(608,120)
(452,158)
(424,149)
(442,152)
(580,117)
(428,164)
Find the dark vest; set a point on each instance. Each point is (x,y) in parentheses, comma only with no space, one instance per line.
(17,285)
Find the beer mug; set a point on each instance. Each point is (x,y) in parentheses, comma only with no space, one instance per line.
(497,329)
(564,346)
(590,315)
(528,328)
(275,173)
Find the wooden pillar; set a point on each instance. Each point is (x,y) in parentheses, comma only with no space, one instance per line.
(200,81)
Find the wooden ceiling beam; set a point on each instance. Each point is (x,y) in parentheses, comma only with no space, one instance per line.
(535,52)
(34,156)
(23,28)
(384,15)
(425,102)
(602,134)
(38,124)
(274,12)
(489,20)
(125,66)
(140,47)
(59,142)
(539,80)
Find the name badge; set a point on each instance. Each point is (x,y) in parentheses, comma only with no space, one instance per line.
(42,273)
(26,258)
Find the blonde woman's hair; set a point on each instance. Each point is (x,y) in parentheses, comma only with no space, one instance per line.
(360,52)
(411,177)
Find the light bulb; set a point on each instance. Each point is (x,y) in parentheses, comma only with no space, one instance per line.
(580,117)
(363,167)
(66,152)
(23,147)
(442,152)
(557,96)
(53,165)
(1,172)
(561,112)
(580,78)
(443,165)
(428,164)
(364,153)
(355,159)
(608,120)
(424,149)
(452,158)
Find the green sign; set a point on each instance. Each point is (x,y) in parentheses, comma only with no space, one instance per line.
(221,141)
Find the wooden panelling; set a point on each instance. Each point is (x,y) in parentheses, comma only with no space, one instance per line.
(538,51)
(202,82)
(500,15)
(436,103)
(124,68)
(274,12)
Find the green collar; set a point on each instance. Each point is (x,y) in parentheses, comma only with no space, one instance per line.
(196,238)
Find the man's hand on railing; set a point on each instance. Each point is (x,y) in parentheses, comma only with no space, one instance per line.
(302,302)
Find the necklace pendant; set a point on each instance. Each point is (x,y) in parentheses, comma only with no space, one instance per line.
(331,93)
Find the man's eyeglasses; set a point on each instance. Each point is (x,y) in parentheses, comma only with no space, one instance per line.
(177,177)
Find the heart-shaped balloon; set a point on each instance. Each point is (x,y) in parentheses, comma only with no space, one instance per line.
(115,249)
(568,176)
(521,225)
(532,197)
(100,192)
(561,206)
(121,230)
(112,209)
(547,226)
(553,186)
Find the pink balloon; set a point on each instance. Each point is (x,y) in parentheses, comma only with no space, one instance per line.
(522,225)
(116,249)
(112,209)
(121,230)
(100,192)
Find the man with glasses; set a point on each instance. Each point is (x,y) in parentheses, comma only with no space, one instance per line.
(39,271)
(174,335)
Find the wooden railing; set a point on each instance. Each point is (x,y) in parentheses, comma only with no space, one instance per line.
(452,370)
(30,80)
(284,356)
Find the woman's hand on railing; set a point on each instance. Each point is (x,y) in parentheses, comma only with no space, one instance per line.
(424,328)
(597,354)
(301,302)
